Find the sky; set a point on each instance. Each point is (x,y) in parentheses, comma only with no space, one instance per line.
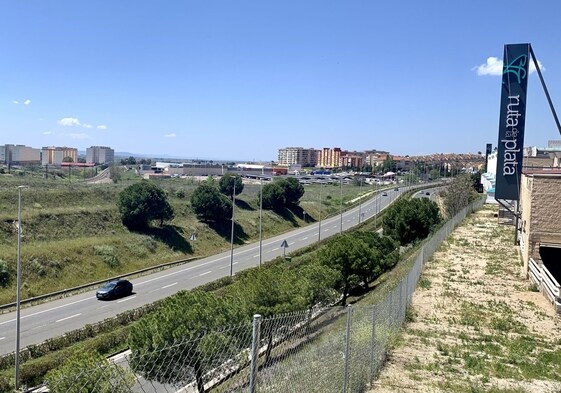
(238,80)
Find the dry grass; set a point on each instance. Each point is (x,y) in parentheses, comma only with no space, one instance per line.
(476,326)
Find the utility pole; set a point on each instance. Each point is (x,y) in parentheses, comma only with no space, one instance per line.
(232,233)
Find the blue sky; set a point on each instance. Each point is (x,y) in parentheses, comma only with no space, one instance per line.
(240,79)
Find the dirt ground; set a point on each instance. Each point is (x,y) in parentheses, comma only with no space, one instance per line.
(476,323)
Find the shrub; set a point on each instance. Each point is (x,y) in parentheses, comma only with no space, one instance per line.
(4,274)
(108,255)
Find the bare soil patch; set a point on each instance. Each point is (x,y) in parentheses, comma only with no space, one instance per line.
(476,324)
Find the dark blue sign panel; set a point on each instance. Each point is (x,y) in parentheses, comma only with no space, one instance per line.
(512,120)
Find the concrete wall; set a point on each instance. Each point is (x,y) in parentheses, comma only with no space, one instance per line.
(541,212)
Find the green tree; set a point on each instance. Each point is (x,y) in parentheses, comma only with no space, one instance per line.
(114,173)
(293,190)
(458,194)
(143,202)
(128,161)
(388,164)
(410,178)
(186,332)
(384,255)
(434,174)
(209,204)
(270,291)
(87,372)
(273,196)
(409,220)
(319,285)
(348,256)
(67,159)
(227,182)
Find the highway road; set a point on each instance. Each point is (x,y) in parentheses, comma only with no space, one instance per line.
(52,319)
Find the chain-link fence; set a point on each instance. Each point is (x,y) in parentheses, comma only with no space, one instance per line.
(335,349)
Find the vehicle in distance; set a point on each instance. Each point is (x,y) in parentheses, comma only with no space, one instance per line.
(427,193)
(396,189)
(384,194)
(114,289)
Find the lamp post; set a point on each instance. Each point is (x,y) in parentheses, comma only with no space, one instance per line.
(260,223)
(232,233)
(319,225)
(18,291)
(376,206)
(341,204)
(360,200)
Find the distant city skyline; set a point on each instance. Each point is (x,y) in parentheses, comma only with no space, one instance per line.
(237,81)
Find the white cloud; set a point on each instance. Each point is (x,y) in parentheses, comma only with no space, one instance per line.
(87,125)
(69,122)
(101,127)
(172,135)
(27,102)
(15,102)
(494,66)
(47,133)
(78,135)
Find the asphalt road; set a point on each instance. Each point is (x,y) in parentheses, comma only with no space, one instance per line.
(41,322)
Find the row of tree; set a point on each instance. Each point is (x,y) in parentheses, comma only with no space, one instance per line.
(143,202)
(194,321)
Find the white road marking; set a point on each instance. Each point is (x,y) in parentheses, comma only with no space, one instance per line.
(44,311)
(205,273)
(290,244)
(170,285)
(72,316)
(2,338)
(275,249)
(126,299)
(255,256)
(305,238)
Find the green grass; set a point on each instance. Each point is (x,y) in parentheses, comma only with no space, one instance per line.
(63,222)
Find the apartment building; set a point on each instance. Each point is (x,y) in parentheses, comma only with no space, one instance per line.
(19,155)
(297,156)
(54,155)
(99,155)
(351,159)
(329,157)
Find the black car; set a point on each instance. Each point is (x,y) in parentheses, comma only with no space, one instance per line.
(114,289)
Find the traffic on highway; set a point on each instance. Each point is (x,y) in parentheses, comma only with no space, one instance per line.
(55,318)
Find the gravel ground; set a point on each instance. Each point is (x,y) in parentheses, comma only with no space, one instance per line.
(476,323)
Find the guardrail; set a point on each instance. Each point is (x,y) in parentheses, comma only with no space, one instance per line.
(63,292)
(534,272)
(539,274)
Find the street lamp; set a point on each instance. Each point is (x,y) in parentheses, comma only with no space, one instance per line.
(260,223)
(341,204)
(360,201)
(319,225)
(18,292)
(232,233)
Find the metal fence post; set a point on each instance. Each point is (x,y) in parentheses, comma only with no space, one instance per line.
(373,367)
(347,347)
(254,352)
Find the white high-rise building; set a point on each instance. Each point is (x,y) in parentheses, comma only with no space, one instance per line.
(99,155)
(19,154)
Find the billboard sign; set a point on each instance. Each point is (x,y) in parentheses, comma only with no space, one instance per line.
(512,120)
